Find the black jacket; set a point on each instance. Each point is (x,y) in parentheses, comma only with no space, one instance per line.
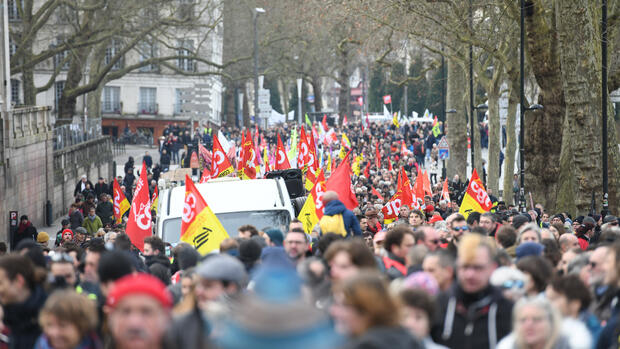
(105,211)
(76,219)
(23,320)
(471,321)
(78,187)
(189,331)
(100,189)
(385,338)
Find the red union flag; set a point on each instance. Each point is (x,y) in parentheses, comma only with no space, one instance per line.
(120,203)
(476,198)
(221,165)
(387,99)
(139,223)
(281,158)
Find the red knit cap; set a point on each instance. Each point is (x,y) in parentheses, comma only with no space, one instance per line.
(66,231)
(435,218)
(139,284)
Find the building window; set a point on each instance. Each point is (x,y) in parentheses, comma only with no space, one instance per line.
(15,91)
(59,86)
(148,100)
(178,105)
(12,47)
(61,58)
(111,52)
(148,51)
(111,99)
(184,62)
(13,9)
(185,11)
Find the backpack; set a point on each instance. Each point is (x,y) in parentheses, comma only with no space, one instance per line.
(333,224)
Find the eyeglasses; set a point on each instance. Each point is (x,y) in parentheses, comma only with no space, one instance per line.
(513,284)
(463,228)
(61,257)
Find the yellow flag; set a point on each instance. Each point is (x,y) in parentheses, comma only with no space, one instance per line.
(395,120)
(312,209)
(476,198)
(199,225)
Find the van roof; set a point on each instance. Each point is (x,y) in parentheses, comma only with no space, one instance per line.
(231,196)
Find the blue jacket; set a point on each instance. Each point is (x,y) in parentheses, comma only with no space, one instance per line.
(350,221)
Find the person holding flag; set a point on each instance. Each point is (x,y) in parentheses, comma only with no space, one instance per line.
(476,198)
(199,225)
(121,204)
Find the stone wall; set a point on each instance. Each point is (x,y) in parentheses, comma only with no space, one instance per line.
(32,173)
(92,158)
(27,163)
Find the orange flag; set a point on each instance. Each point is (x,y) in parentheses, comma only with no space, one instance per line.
(221,165)
(199,225)
(418,191)
(281,158)
(206,175)
(120,203)
(376,193)
(476,198)
(302,150)
(427,184)
(340,182)
(139,223)
(445,193)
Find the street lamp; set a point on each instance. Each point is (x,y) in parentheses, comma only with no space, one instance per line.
(255,13)
(604,104)
(444,170)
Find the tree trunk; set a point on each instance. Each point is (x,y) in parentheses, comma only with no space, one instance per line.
(511,144)
(494,139)
(543,136)
(456,123)
(343,81)
(94,97)
(580,160)
(318,92)
(283,87)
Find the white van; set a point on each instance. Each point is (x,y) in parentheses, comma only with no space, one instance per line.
(262,203)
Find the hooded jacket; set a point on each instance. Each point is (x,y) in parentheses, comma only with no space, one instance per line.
(351,224)
(472,321)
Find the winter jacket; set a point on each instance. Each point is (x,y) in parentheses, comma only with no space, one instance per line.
(101,189)
(78,187)
(472,321)
(24,232)
(395,266)
(611,332)
(90,342)
(23,320)
(92,225)
(190,331)
(105,211)
(385,338)
(351,224)
(76,219)
(157,259)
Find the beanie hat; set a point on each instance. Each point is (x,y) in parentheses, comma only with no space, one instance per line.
(141,283)
(67,231)
(422,280)
(222,267)
(249,251)
(276,236)
(81,230)
(43,237)
(529,249)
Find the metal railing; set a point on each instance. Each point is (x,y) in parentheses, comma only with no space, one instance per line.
(72,134)
(148,108)
(111,107)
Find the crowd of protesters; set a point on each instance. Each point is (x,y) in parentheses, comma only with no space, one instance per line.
(430,279)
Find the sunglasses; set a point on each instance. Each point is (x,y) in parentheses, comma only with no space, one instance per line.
(61,257)
(461,228)
(512,284)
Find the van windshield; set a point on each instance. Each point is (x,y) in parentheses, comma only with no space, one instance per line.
(232,221)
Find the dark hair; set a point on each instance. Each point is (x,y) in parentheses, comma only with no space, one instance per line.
(539,269)
(326,240)
(156,243)
(357,250)
(250,228)
(113,265)
(96,245)
(419,299)
(473,217)
(560,228)
(122,242)
(552,251)
(33,252)
(491,216)
(458,218)
(396,235)
(506,236)
(571,287)
(15,264)
(161,272)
